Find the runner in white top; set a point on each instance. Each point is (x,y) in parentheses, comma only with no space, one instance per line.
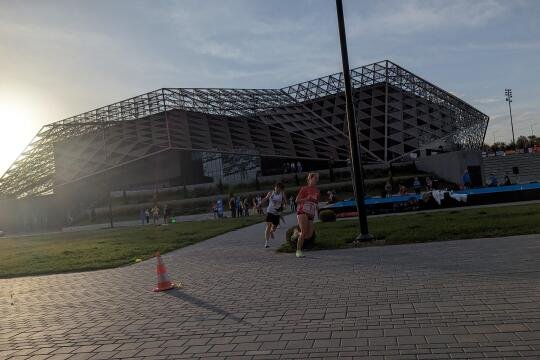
(276,201)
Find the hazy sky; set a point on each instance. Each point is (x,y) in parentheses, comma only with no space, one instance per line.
(61,58)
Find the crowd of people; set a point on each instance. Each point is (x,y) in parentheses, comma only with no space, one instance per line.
(292,167)
(402,189)
(155,213)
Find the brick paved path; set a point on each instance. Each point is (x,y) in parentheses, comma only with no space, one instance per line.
(446,300)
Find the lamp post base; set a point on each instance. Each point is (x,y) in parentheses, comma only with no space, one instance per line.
(365,237)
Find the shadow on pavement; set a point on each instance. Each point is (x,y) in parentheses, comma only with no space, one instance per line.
(203,304)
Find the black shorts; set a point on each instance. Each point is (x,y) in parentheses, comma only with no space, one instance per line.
(272,218)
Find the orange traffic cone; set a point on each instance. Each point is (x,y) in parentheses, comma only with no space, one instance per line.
(163,281)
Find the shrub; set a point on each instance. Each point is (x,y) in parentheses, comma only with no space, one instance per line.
(308,243)
(327,216)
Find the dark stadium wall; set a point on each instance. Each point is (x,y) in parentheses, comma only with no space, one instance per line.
(30,215)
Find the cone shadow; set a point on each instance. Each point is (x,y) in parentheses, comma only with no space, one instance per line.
(177,293)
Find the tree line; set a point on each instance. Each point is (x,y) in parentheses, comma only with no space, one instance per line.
(522,142)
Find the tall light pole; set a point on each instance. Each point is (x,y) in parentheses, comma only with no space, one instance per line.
(508,93)
(358,182)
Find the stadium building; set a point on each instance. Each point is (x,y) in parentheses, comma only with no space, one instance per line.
(181,136)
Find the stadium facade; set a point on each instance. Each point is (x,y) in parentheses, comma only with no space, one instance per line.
(180,136)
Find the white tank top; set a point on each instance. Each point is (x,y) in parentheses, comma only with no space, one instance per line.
(275,203)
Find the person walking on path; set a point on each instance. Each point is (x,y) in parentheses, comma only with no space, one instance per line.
(276,201)
(307,201)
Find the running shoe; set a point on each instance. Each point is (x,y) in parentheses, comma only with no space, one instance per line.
(266,246)
(299,254)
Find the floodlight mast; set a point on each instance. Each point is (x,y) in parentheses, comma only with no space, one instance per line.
(358,181)
(508,93)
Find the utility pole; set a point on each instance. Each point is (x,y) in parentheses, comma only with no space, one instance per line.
(358,182)
(508,93)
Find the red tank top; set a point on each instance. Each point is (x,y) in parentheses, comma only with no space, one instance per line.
(311,195)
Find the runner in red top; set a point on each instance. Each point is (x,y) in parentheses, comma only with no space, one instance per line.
(308,202)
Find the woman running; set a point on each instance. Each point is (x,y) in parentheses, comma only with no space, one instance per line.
(307,201)
(276,200)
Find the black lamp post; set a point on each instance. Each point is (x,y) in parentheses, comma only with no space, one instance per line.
(358,182)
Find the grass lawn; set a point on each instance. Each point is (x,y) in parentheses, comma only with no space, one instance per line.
(91,250)
(435,226)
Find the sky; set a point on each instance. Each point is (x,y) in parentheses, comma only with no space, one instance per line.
(60,58)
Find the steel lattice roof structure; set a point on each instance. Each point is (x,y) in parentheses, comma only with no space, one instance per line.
(397,113)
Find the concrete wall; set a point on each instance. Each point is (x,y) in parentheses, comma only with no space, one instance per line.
(450,166)
(528,164)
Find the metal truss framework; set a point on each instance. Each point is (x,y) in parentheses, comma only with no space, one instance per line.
(398,113)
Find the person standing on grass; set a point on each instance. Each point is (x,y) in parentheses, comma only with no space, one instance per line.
(417,186)
(307,201)
(232,206)
(466,179)
(429,184)
(388,189)
(276,200)
(155,214)
(245,206)
(147,215)
(292,204)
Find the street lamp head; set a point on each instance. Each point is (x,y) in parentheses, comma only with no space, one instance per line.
(508,93)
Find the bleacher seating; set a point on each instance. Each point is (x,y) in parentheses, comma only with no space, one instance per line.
(527,164)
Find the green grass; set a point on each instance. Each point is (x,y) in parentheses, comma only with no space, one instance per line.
(434,226)
(91,250)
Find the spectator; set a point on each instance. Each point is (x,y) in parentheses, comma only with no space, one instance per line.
(331,197)
(155,214)
(388,189)
(220,209)
(238,205)
(429,184)
(299,167)
(292,203)
(293,168)
(493,181)
(466,179)
(245,206)
(142,216)
(215,210)
(402,189)
(507,180)
(417,186)
(232,206)
(147,215)
(165,214)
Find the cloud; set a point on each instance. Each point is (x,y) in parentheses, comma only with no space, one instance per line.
(407,17)
(488,100)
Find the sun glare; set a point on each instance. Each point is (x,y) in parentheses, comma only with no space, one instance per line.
(16,130)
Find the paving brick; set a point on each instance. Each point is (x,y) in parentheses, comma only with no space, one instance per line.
(243,301)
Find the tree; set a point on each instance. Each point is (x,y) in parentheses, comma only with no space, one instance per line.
(522,142)
(499,145)
(533,140)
